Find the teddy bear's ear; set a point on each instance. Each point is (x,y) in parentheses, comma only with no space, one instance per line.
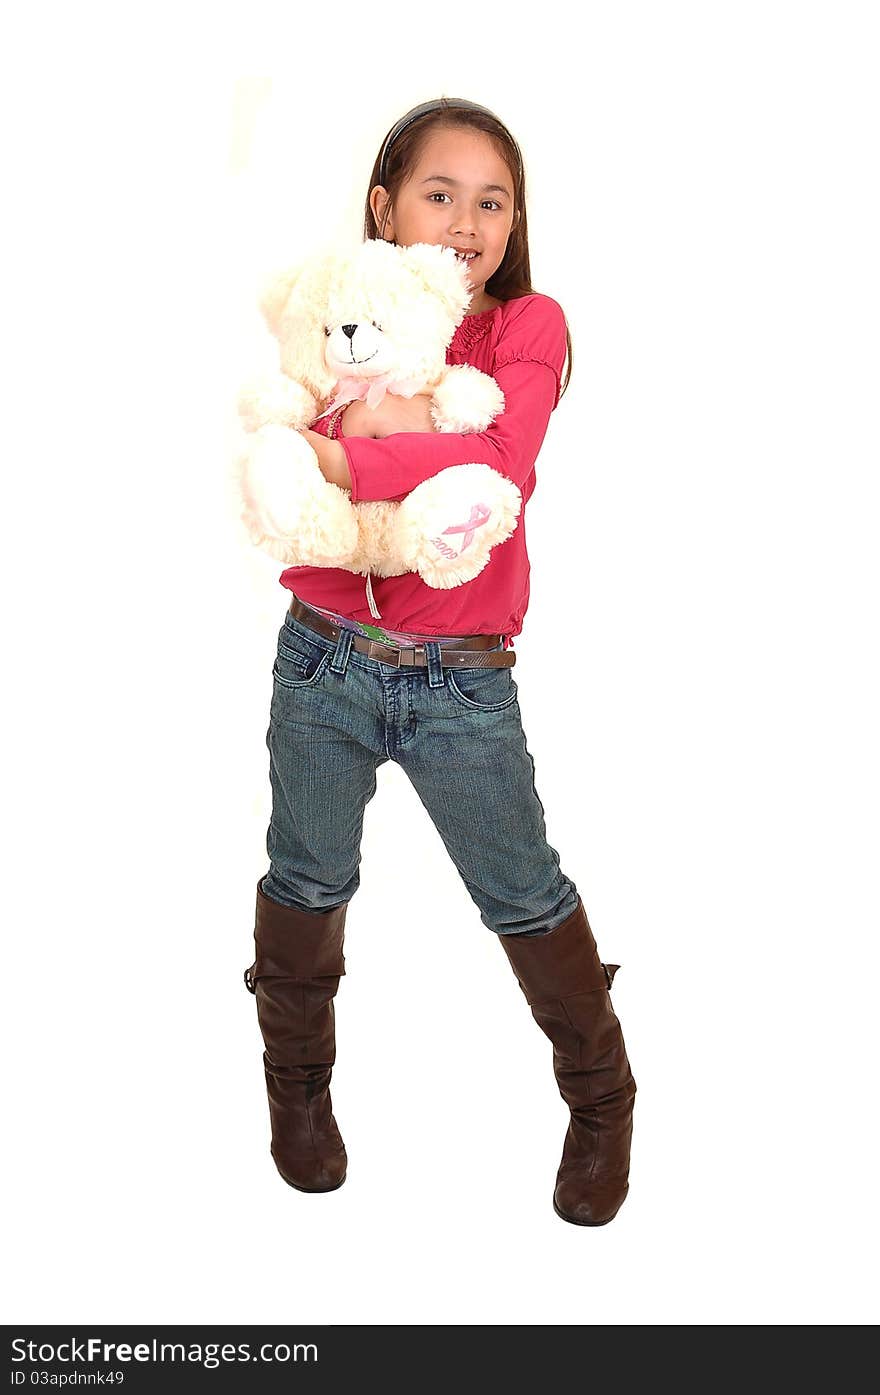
(300,326)
(440,271)
(275,293)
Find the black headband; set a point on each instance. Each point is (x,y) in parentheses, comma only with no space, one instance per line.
(437,104)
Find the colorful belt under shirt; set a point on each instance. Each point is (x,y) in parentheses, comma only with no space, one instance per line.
(399,639)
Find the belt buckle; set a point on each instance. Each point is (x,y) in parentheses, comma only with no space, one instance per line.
(386,648)
(398,652)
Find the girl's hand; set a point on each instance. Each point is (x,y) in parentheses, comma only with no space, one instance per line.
(331,458)
(392,414)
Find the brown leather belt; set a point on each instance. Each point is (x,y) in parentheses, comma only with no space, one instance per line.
(468,653)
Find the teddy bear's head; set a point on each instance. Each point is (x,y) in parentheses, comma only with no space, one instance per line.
(379,313)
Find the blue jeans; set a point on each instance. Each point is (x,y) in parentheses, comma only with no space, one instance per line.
(337,715)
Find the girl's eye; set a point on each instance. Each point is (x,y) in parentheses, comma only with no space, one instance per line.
(375,326)
(441,193)
(326,331)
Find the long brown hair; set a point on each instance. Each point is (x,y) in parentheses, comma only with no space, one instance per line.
(513,277)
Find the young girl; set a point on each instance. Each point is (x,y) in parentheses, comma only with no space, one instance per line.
(396,670)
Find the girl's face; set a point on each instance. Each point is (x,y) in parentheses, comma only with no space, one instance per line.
(460,194)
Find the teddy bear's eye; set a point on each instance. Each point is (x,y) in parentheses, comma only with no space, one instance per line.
(327,331)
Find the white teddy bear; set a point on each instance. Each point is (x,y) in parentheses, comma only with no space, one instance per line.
(360,324)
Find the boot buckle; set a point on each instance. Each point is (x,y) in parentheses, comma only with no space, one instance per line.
(249,980)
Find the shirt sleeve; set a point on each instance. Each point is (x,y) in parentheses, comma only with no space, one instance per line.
(527,366)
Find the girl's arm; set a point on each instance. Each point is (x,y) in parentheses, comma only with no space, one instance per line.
(392,415)
(528,362)
(391,468)
(527,365)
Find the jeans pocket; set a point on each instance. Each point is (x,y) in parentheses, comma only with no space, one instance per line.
(301,657)
(482,689)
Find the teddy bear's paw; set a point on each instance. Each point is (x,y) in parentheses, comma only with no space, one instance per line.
(274,398)
(446,528)
(289,509)
(377,549)
(466,400)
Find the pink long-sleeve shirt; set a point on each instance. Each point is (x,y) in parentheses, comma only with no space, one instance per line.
(521,343)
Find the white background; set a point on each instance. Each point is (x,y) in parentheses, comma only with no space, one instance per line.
(697,676)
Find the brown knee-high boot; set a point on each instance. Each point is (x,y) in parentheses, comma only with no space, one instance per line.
(566,986)
(295,977)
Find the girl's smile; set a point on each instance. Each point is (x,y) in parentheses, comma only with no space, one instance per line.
(459,194)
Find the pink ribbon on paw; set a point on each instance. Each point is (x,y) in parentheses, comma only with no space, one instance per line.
(479,515)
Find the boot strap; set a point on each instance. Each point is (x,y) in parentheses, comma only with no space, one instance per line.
(253,973)
(250,982)
(608,972)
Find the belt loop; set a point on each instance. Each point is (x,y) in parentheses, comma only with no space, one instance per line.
(434,662)
(339,662)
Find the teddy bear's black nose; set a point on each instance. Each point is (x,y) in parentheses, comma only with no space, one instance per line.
(349,330)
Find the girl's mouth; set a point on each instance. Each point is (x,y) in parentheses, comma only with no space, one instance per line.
(467,256)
